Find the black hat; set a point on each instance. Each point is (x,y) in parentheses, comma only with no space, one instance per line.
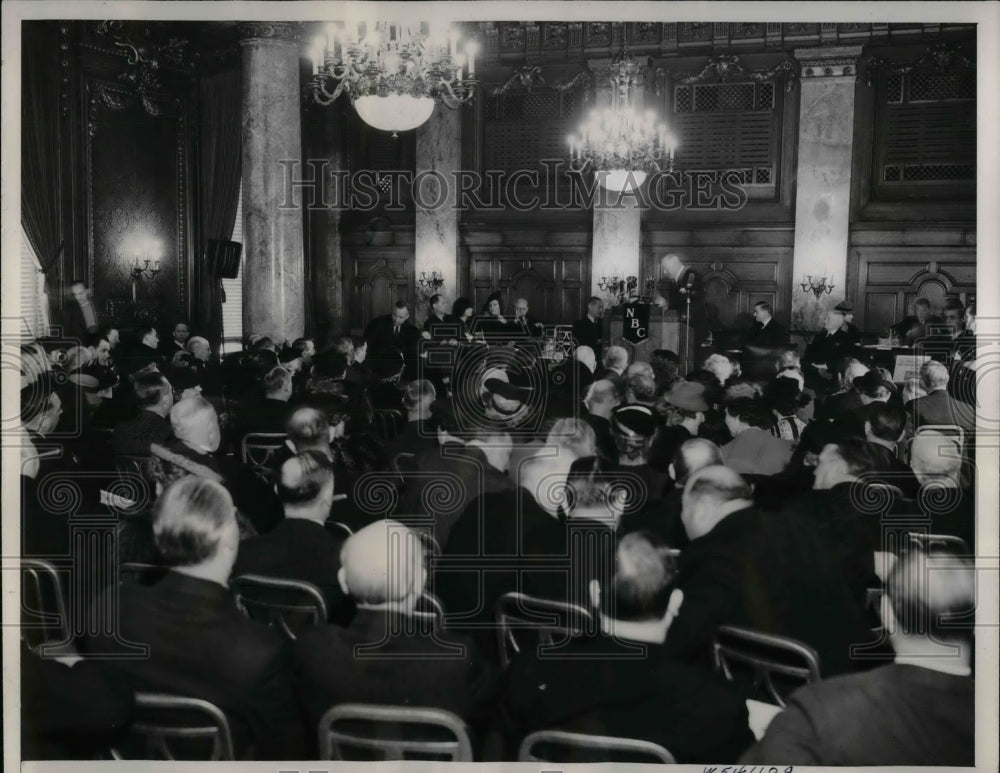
(183,378)
(498,386)
(871,381)
(634,420)
(844,307)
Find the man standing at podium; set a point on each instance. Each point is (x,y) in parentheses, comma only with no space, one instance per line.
(683,284)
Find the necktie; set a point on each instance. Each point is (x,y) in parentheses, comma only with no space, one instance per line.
(395,331)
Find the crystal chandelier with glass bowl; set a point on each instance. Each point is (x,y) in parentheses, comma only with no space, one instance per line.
(620,144)
(394,74)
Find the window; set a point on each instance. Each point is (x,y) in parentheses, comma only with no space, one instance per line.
(34,302)
(232,306)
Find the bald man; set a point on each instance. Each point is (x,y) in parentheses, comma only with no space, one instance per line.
(386,655)
(797,590)
(919,710)
(195,425)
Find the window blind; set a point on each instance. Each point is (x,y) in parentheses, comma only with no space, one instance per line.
(232,307)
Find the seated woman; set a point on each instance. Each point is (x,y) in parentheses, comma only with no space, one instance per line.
(753,449)
(491,323)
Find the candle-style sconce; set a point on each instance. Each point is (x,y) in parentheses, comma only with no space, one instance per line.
(144,271)
(429,284)
(817,285)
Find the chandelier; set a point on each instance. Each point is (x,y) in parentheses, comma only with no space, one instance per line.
(618,143)
(393,73)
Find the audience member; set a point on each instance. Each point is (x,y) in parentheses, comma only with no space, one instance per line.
(300,547)
(192,638)
(919,710)
(619,683)
(601,399)
(797,590)
(938,407)
(753,449)
(633,427)
(155,398)
(386,655)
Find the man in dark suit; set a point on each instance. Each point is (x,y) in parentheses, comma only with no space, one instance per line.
(909,329)
(937,406)
(679,283)
(144,351)
(601,398)
(270,413)
(884,428)
(154,396)
(829,344)
(417,435)
(849,328)
(766,332)
(81,313)
(797,589)
(619,683)
(395,331)
(197,643)
(589,331)
(299,547)
(177,342)
(919,710)
(524,325)
(386,655)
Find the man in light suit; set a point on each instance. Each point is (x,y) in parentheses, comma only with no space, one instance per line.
(938,407)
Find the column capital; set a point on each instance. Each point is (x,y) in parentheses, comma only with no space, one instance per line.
(277,31)
(828,62)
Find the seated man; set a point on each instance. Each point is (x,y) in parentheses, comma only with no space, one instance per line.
(601,398)
(299,547)
(155,398)
(827,346)
(615,362)
(619,683)
(197,643)
(884,429)
(196,432)
(939,407)
(270,413)
(385,655)
(919,710)
(797,590)
(911,328)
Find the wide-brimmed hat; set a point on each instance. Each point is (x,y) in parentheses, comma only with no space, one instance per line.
(688,396)
(871,381)
(844,307)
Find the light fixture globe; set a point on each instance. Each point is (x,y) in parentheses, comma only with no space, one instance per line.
(621,179)
(394,112)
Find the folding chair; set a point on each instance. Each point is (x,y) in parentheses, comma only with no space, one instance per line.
(766,656)
(44,620)
(387,423)
(136,465)
(429,608)
(392,733)
(287,605)
(560,746)
(548,621)
(172,727)
(257,450)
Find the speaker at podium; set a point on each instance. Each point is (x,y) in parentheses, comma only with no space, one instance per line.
(642,328)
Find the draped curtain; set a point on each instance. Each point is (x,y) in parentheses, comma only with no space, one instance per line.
(40,146)
(221,142)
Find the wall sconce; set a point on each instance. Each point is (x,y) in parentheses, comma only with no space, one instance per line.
(430,284)
(817,285)
(143,272)
(619,289)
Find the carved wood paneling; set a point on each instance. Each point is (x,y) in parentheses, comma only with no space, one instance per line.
(891,278)
(378,277)
(555,281)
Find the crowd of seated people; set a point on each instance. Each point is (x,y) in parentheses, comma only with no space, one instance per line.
(661,504)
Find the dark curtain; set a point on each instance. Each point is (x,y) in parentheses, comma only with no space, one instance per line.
(40,177)
(221,142)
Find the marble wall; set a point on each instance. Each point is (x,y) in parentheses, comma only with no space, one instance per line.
(823,180)
(439,154)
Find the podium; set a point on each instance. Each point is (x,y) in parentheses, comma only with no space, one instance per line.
(665,331)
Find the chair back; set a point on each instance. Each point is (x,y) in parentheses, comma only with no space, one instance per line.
(129,463)
(404,463)
(172,727)
(926,542)
(429,608)
(288,605)
(560,746)
(43,605)
(777,664)
(525,621)
(354,731)
(138,573)
(388,423)
(257,450)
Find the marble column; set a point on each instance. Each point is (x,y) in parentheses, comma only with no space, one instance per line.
(823,179)
(439,156)
(273,272)
(617,229)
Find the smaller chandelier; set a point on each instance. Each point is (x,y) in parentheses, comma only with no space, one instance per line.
(394,74)
(617,143)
